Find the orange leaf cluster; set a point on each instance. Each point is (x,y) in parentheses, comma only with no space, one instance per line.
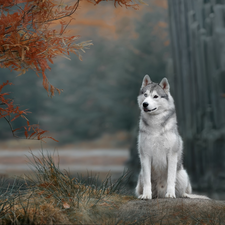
(11,112)
(27,39)
(37,132)
(126,3)
(7,107)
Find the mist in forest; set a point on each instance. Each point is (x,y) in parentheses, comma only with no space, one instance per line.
(99,93)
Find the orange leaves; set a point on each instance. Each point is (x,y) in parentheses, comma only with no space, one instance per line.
(48,86)
(7,107)
(27,39)
(126,3)
(4,84)
(37,133)
(10,112)
(45,82)
(66,205)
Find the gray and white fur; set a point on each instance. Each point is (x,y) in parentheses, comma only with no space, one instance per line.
(160,145)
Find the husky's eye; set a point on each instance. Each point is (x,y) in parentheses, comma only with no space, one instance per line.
(155,96)
(145,94)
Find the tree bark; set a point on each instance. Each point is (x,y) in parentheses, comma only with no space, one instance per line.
(198,41)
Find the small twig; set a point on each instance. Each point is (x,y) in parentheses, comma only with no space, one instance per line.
(8,121)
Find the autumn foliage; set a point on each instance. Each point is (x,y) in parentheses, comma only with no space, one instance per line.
(10,112)
(126,3)
(28,39)
(32,34)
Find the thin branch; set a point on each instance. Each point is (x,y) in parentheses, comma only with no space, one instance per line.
(66,26)
(11,127)
(67,15)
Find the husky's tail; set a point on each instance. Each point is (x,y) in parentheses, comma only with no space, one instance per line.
(189,188)
(189,194)
(195,196)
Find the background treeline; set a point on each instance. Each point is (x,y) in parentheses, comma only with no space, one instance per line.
(100,92)
(198,43)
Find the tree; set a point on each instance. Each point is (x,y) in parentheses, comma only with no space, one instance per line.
(197,39)
(30,40)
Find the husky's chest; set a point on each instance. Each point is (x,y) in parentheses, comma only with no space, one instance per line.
(157,148)
(155,144)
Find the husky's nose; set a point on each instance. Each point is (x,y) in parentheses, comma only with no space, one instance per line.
(145,104)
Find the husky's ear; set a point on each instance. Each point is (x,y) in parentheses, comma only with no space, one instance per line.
(146,81)
(165,85)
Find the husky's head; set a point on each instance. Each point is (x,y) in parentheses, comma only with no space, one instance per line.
(154,98)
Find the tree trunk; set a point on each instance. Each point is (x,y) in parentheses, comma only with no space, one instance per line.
(198,46)
(197,32)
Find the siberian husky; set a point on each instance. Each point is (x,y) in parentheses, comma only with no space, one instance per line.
(160,145)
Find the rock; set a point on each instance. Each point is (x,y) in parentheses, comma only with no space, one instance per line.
(172,211)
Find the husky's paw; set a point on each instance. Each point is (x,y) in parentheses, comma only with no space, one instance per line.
(145,196)
(170,195)
(185,195)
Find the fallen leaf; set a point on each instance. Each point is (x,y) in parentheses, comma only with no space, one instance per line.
(66,205)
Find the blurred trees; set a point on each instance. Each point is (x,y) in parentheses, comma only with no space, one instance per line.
(104,98)
(29,40)
(99,93)
(198,44)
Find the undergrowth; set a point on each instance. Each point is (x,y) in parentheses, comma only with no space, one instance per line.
(52,196)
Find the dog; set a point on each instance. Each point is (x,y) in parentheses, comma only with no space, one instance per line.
(160,146)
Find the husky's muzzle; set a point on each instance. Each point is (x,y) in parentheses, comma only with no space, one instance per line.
(145,107)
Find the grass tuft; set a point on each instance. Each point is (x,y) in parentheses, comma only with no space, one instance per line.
(52,196)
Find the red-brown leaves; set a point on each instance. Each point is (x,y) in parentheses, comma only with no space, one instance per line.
(27,37)
(11,112)
(66,205)
(7,107)
(28,40)
(126,3)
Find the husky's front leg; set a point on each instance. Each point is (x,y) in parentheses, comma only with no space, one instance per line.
(146,173)
(171,175)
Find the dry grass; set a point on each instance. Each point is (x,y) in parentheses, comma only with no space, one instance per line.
(53,197)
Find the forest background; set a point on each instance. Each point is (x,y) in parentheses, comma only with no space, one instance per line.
(97,110)
(99,93)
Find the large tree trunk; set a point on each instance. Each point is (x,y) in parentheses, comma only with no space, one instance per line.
(197,30)
(198,46)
